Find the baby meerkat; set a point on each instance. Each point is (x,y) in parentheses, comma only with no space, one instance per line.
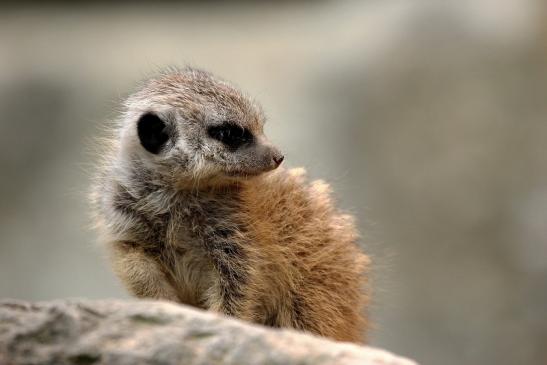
(194,208)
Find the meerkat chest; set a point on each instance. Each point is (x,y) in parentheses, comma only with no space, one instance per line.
(188,233)
(199,229)
(192,274)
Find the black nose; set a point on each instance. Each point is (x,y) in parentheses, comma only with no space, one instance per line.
(278,159)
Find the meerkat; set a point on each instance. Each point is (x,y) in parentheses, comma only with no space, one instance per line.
(193,206)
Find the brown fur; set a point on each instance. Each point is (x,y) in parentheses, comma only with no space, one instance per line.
(270,249)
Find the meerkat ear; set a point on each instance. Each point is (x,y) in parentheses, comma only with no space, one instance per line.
(152,132)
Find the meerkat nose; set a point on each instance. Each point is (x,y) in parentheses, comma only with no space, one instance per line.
(278,159)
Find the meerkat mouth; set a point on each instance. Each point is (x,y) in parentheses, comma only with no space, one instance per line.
(242,173)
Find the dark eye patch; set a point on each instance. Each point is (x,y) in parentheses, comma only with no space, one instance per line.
(152,132)
(232,135)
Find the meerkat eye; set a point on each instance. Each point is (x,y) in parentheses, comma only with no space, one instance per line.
(231,135)
(152,132)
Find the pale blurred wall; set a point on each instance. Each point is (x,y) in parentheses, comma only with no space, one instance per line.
(429,118)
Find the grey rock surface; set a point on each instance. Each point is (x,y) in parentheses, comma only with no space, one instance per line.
(83,332)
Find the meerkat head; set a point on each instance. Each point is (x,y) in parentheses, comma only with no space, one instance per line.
(192,127)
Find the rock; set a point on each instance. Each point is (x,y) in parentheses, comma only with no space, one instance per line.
(81,332)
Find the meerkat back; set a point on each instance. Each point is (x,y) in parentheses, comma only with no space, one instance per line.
(194,208)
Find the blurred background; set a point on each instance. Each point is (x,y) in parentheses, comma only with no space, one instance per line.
(429,118)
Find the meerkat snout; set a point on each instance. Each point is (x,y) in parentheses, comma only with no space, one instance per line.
(278,159)
(272,157)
